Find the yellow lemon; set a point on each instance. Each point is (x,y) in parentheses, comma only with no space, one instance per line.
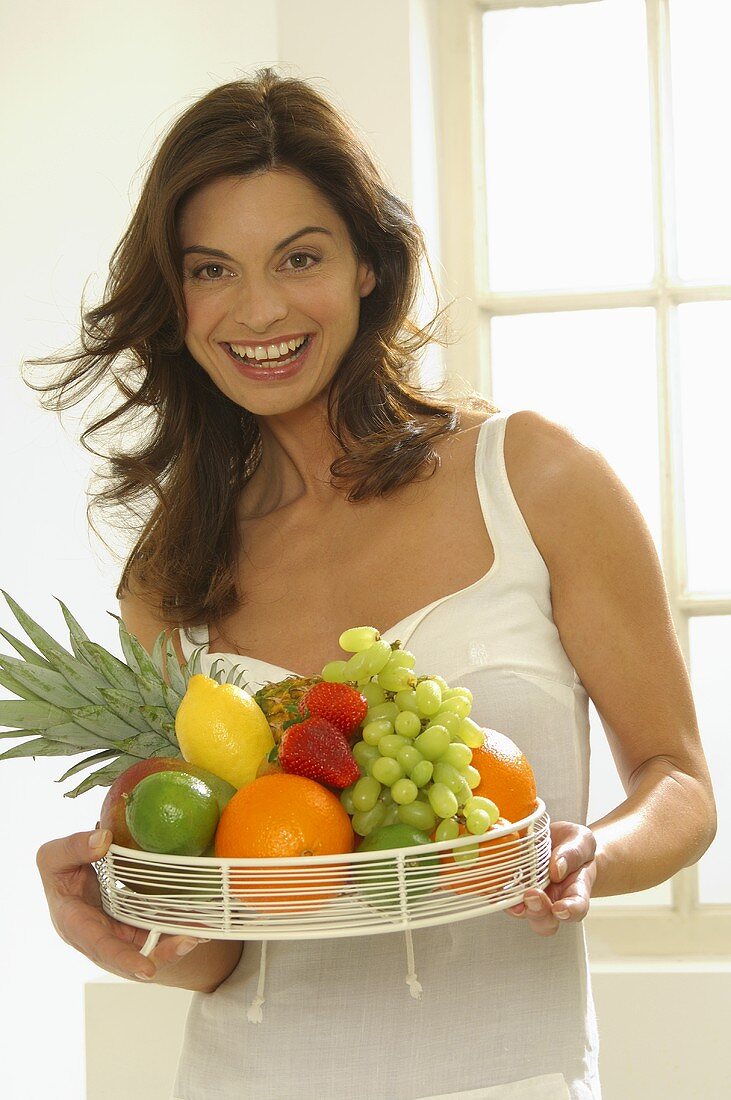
(221,728)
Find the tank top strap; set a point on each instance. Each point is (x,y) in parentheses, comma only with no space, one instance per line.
(517,558)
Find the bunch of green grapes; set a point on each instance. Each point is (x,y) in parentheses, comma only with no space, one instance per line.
(415,751)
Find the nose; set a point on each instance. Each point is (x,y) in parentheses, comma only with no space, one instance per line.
(260,305)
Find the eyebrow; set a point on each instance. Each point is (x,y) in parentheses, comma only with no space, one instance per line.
(277,248)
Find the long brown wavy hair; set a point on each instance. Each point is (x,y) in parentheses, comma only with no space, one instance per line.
(182,451)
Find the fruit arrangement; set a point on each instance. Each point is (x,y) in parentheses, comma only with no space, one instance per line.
(369,755)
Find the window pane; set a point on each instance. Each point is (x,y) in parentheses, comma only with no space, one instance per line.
(700,35)
(710,665)
(704,329)
(568,167)
(593,371)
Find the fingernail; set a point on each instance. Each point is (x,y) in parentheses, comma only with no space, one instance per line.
(99,838)
(561,867)
(144,977)
(562,914)
(534,905)
(187,945)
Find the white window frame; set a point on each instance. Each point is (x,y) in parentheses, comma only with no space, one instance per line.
(683,928)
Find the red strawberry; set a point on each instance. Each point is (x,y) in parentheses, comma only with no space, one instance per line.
(316,749)
(340,704)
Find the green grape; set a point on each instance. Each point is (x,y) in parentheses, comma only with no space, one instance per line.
(390,745)
(375,730)
(385,796)
(432,742)
(463,691)
(441,681)
(458,755)
(406,700)
(365,793)
(364,821)
(334,672)
(387,770)
(377,657)
(422,773)
(402,658)
(387,710)
(408,724)
(471,733)
(445,773)
(392,813)
(463,792)
(446,718)
(417,814)
(423,794)
(374,693)
(472,776)
(448,829)
(458,704)
(468,853)
(404,791)
(442,801)
(478,822)
(358,638)
(346,799)
(408,757)
(480,803)
(356,666)
(363,753)
(428,697)
(396,678)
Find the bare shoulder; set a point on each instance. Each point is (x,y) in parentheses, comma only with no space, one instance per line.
(143,619)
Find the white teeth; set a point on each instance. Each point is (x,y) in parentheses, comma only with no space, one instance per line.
(273,352)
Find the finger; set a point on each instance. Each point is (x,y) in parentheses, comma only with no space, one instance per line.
(71,852)
(539,913)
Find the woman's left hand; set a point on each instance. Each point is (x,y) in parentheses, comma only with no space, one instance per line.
(568,894)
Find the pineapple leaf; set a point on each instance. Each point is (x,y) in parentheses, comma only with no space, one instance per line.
(105,754)
(79,736)
(135,653)
(42,683)
(48,646)
(103,777)
(157,651)
(160,720)
(8,681)
(76,633)
(37,746)
(216,673)
(172,699)
(193,667)
(98,720)
(129,713)
(175,675)
(151,693)
(115,672)
(24,650)
(30,714)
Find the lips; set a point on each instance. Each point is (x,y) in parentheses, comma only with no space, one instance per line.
(275,369)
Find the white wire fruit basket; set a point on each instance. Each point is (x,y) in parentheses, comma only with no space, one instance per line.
(316,897)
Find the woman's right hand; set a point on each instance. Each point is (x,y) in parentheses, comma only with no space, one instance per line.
(74,902)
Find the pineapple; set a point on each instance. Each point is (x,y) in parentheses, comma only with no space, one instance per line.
(280,701)
(75,702)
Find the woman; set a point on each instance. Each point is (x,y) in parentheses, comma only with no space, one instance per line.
(305,484)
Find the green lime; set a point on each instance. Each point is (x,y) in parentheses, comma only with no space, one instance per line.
(382,888)
(172,812)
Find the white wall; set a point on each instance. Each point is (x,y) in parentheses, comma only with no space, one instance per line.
(87,88)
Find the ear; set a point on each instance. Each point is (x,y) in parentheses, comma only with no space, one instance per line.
(366,279)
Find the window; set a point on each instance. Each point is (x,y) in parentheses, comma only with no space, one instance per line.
(587,238)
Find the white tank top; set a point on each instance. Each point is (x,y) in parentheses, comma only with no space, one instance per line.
(504,1014)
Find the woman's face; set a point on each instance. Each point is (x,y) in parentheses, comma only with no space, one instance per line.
(267,261)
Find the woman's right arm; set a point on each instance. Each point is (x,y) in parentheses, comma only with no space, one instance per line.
(74,902)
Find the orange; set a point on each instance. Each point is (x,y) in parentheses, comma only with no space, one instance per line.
(470,877)
(506,776)
(284,816)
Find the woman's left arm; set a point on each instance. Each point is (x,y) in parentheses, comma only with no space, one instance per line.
(611,609)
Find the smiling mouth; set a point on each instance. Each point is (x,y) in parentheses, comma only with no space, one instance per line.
(264,364)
